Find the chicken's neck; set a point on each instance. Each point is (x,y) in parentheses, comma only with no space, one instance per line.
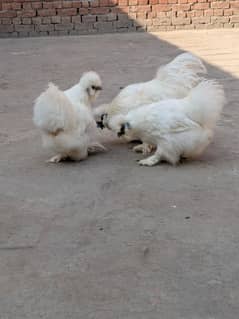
(77,94)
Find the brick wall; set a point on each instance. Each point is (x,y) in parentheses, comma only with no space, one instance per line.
(62,17)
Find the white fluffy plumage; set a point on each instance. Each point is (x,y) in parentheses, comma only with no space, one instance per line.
(178,128)
(65,119)
(173,80)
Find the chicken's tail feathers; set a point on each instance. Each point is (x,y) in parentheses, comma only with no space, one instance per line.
(182,71)
(205,102)
(53,111)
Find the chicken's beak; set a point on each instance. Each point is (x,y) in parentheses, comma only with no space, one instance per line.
(100,124)
(98,88)
(122,130)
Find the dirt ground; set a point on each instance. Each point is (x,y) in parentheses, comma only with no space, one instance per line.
(106,238)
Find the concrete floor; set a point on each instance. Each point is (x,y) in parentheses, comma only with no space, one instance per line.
(105,238)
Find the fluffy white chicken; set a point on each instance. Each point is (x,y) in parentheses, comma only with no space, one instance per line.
(179,128)
(173,80)
(66,120)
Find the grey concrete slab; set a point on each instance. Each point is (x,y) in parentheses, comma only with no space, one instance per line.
(105,238)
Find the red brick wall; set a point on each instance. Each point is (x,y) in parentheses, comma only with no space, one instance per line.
(61,17)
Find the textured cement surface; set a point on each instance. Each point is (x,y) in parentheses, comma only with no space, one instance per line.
(105,238)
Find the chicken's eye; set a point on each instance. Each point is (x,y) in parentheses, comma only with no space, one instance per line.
(93,87)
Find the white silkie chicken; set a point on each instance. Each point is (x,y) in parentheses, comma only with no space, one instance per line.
(179,128)
(173,80)
(66,120)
